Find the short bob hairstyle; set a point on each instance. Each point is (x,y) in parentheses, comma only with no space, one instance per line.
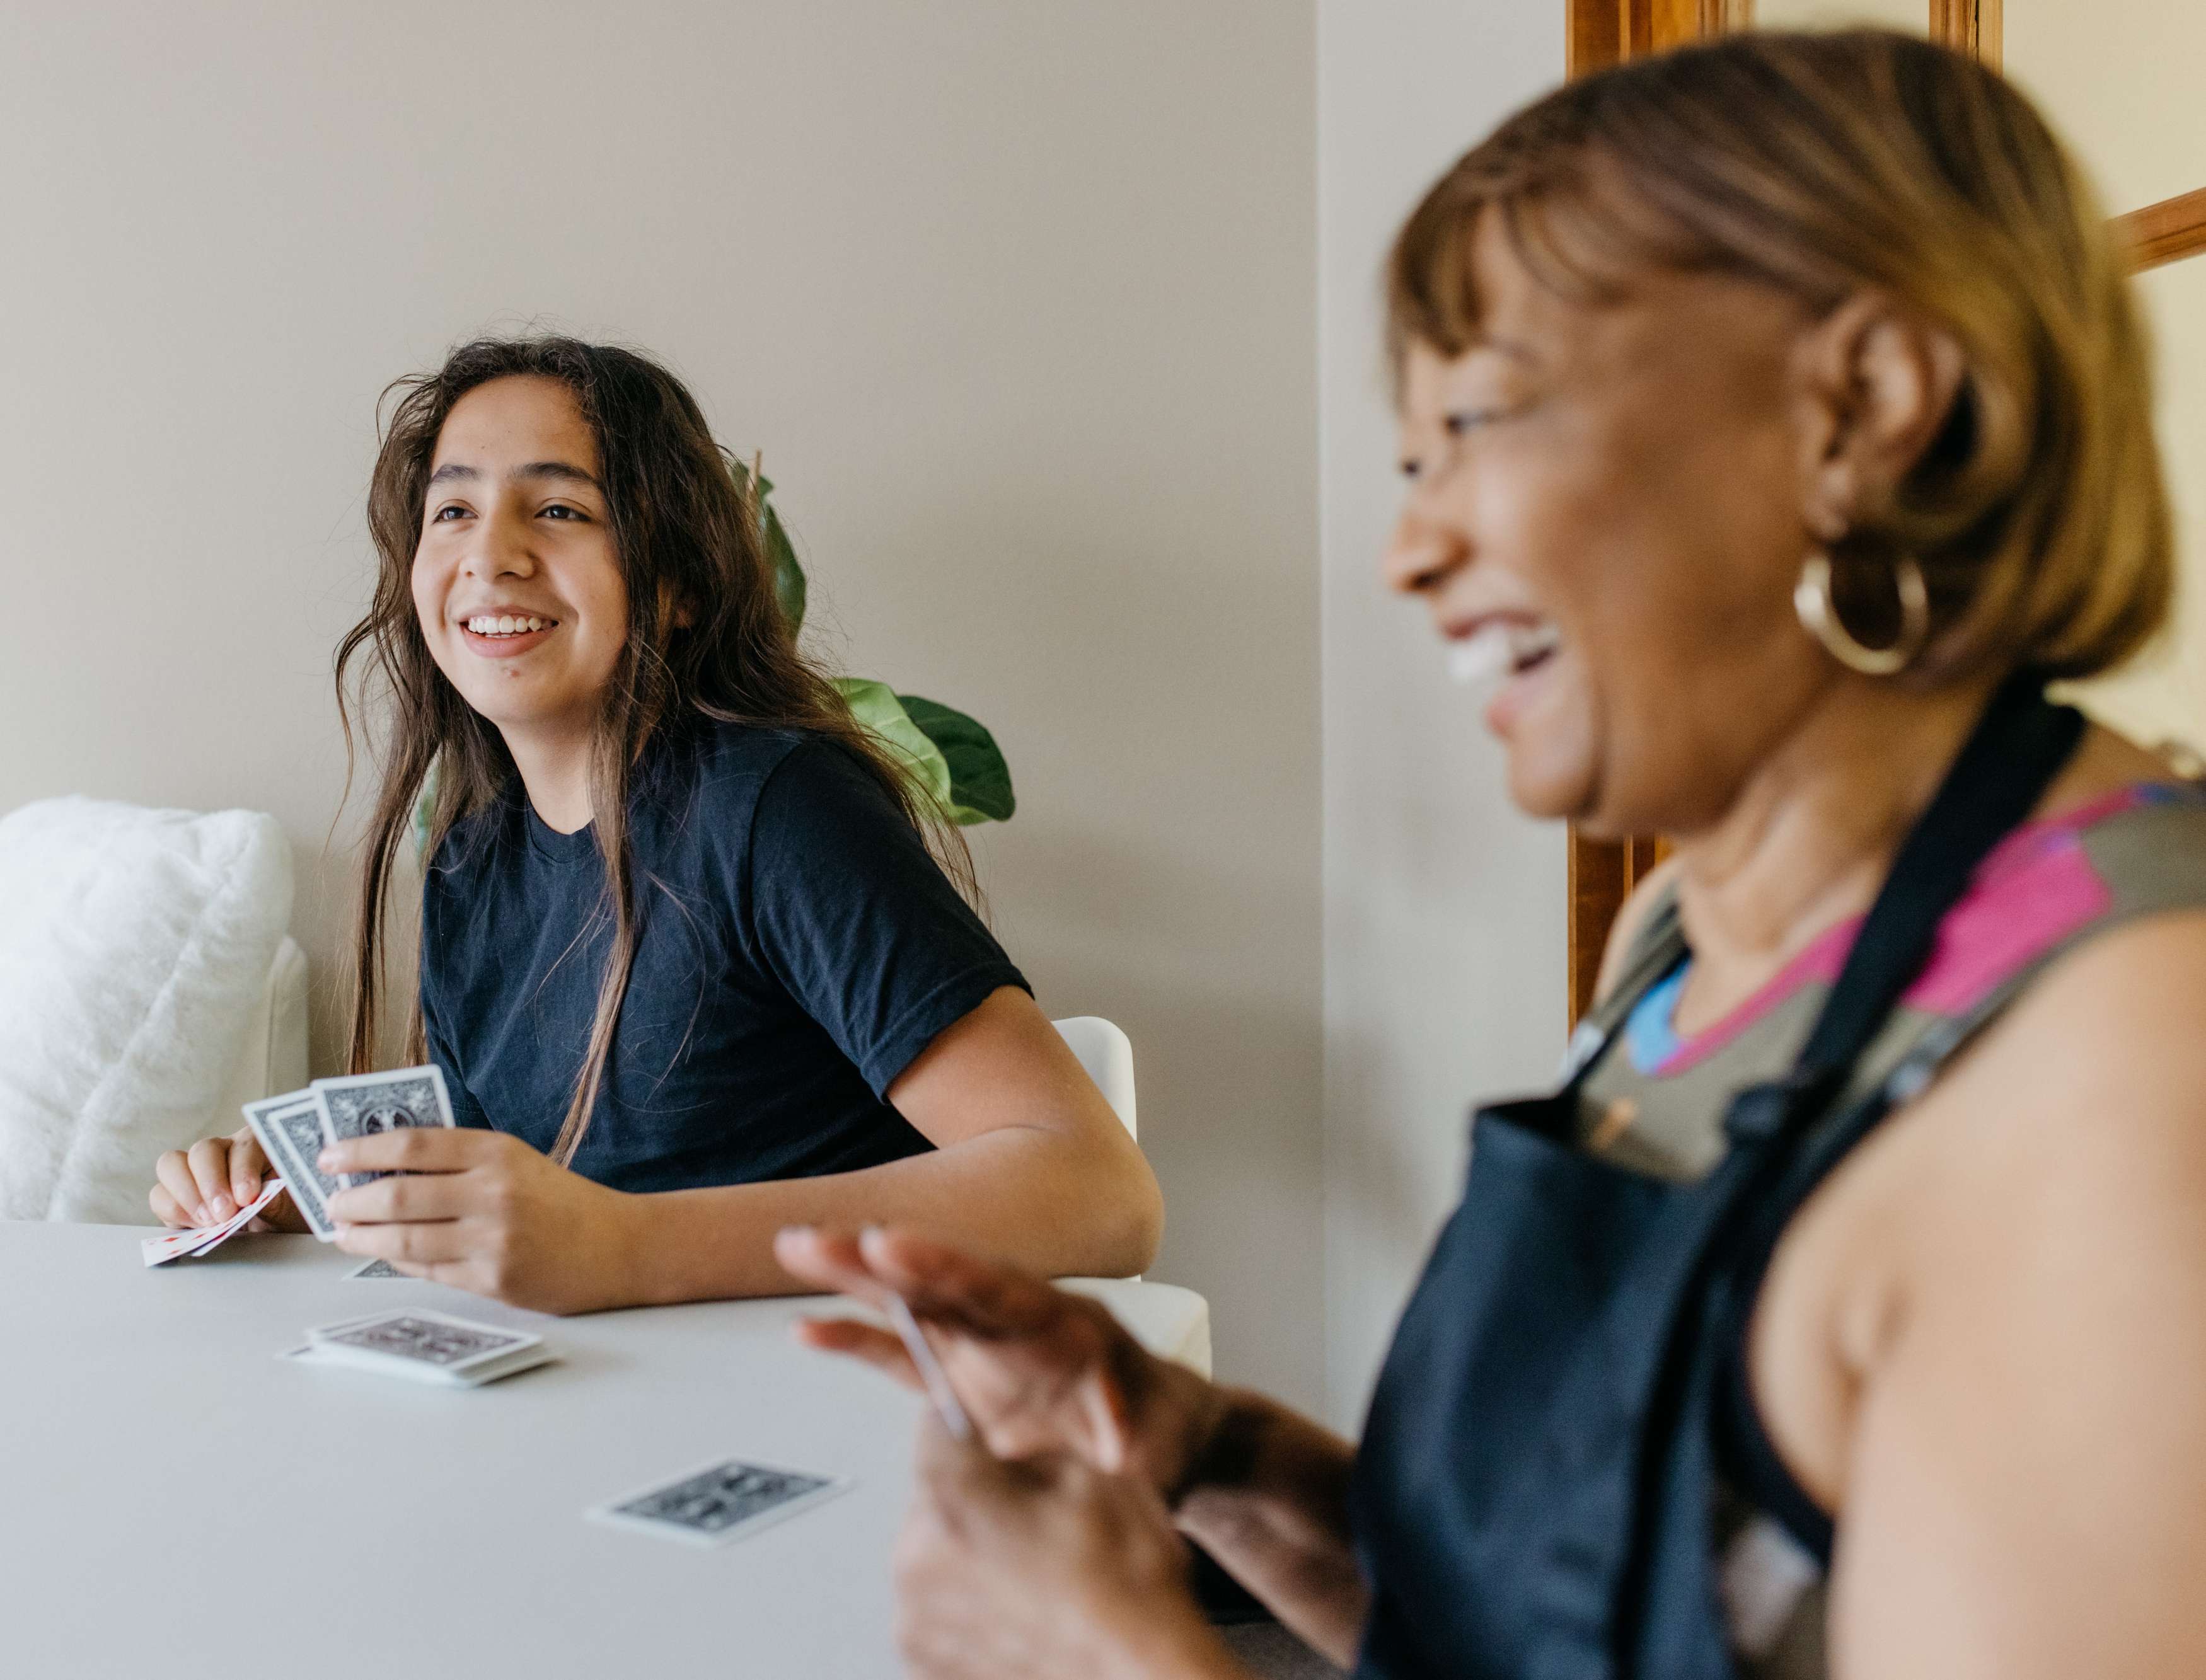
(1826,164)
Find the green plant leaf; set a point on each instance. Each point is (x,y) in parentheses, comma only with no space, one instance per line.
(979,780)
(876,705)
(789,586)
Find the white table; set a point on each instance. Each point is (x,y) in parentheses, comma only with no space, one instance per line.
(176,1500)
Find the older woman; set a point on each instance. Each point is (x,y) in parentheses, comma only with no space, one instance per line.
(1777,412)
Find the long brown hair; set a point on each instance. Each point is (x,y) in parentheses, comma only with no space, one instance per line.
(1824,165)
(707,637)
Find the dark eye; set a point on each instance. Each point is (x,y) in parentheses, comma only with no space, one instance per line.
(1462,420)
(1412,468)
(453,509)
(560,509)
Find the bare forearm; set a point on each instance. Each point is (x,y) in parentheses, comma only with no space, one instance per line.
(1268,1500)
(1051,1203)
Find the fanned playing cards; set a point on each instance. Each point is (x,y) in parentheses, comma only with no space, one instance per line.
(292,1129)
(171,1245)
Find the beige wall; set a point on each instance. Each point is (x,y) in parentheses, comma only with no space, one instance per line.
(2118,79)
(1444,907)
(1017,298)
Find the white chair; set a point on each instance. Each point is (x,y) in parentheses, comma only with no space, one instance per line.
(1171,1322)
(1107,1054)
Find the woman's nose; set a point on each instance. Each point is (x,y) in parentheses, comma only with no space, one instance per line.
(500,550)
(1421,553)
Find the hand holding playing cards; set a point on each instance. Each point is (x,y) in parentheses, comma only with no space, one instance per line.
(205,1184)
(1039,1370)
(1045,1565)
(484,1212)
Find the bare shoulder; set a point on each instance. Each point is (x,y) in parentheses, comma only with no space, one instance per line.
(2109,1048)
(2081,1118)
(2022,1482)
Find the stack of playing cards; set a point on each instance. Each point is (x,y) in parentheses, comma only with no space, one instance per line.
(428,1347)
(175,1244)
(292,1129)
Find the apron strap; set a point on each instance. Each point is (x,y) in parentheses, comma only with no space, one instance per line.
(2016,749)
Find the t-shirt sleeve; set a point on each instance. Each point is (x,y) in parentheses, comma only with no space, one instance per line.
(856,919)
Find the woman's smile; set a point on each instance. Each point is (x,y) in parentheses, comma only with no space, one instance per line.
(505,635)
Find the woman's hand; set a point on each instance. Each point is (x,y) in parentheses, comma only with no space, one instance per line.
(1045,1565)
(484,1212)
(1039,1371)
(204,1185)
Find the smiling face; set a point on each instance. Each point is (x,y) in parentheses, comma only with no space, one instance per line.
(515,581)
(1609,502)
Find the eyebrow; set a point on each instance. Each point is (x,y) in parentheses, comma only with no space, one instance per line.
(565,471)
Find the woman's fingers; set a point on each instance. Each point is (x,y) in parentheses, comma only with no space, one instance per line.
(411,1245)
(248,1166)
(876,1347)
(828,1260)
(405,1198)
(210,1163)
(942,1283)
(173,1171)
(165,1209)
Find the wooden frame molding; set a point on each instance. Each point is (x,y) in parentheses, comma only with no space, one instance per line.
(1601,33)
(1973,26)
(2161,233)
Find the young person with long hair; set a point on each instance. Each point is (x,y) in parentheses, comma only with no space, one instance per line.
(689,963)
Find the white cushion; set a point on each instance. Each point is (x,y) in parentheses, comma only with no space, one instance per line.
(135,948)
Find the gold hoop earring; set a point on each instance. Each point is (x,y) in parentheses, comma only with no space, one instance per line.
(1819,617)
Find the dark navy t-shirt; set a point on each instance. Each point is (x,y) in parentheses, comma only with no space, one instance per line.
(796,949)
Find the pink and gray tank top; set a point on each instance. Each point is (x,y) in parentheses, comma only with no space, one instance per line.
(1658,1107)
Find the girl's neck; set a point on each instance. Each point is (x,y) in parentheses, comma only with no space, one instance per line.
(1807,839)
(555,770)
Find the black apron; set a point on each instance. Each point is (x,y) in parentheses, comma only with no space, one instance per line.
(1533,1495)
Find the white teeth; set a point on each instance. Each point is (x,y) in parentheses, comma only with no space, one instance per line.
(504,624)
(1501,650)
(1482,658)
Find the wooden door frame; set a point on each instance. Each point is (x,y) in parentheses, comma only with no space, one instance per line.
(1603,33)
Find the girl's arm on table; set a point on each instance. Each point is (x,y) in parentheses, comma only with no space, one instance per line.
(1031,1166)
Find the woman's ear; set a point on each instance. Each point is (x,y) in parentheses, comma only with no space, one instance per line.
(1874,386)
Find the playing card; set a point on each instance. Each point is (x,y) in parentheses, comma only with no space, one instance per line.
(721,1503)
(431,1347)
(178,1244)
(289,1129)
(376,1268)
(930,1372)
(362,1104)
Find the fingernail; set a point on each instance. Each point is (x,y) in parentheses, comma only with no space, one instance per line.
(326,1160)
(199,1216)
(224,1207)
(792,1231)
